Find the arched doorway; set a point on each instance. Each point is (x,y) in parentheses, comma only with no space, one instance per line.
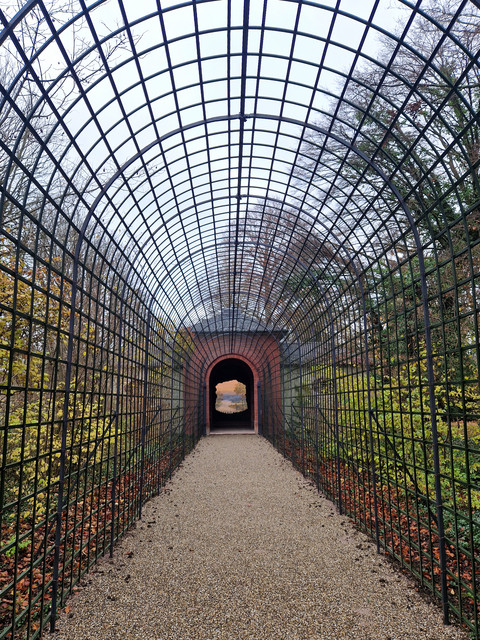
(231,396)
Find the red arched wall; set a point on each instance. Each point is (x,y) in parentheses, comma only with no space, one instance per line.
(260,352)
(234,356)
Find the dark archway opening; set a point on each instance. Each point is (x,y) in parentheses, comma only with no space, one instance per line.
(228,370)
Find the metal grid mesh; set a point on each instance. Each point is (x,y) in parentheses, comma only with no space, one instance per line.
(290,183)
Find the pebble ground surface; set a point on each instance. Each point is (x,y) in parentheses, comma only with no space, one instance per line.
(237,546)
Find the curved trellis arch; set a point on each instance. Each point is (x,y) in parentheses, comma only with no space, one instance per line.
(273,168)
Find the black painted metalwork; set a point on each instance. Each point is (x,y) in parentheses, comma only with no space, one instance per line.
(290,183)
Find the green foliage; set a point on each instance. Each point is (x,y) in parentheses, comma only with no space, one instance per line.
(459,528)
(34,317)
(22,545)
(400,421)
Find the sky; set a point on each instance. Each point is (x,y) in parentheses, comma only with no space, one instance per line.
(179,196)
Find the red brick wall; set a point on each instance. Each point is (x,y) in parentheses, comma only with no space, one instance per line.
(260,351)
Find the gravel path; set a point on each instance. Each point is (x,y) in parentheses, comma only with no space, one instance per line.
(241,546)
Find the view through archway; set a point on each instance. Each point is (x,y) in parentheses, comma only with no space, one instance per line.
(231,397)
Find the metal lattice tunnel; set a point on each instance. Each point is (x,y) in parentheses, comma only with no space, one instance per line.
(279,194)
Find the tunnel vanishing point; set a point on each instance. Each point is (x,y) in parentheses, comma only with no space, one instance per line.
(284,193)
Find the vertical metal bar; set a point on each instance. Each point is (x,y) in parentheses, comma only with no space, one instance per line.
(259,408)
(335,409)
(63,446)
(172,411)
(302,427)
(282,391)
(161,338)
(204,409)
(182,414)
(144,411)
(436,453)
(113,495)
(370,421)
(317,446)
(290,408)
